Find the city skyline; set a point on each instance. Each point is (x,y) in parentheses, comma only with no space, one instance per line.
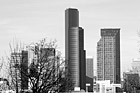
(30,21)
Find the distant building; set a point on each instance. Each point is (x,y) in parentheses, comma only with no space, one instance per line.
(108,55)
(89,73)
(24,68)
(47,52)
(131,81)
(104,86)
(74,48)
(49,56)
(19,67)
(136,66)
(16,76)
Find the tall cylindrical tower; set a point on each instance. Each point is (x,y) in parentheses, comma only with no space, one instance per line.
(74,48)
(72,44)
(73,63)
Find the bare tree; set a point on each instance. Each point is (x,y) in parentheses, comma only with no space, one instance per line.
(45,71)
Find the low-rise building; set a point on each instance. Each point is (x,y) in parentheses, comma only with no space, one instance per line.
(105,86)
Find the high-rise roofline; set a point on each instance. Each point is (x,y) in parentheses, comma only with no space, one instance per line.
(71,8)
(111,28)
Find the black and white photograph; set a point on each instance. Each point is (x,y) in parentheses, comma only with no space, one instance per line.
(69,46)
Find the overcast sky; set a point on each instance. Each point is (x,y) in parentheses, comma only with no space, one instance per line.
(28,21)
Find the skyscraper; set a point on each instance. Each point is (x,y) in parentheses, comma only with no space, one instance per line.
(108,55)
(74,48)
(24,68)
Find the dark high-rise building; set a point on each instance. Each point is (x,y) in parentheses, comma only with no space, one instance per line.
(74,48)
(108,55)
(24,68)
(82,59)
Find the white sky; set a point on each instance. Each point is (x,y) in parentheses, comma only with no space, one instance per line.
(31,20)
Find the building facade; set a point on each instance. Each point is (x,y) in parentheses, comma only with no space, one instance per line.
(24,68)
(74,48)
(19,66)
(106,87)
(131,82)
(89,73)
(136,65)
(108,55)
(50,60)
